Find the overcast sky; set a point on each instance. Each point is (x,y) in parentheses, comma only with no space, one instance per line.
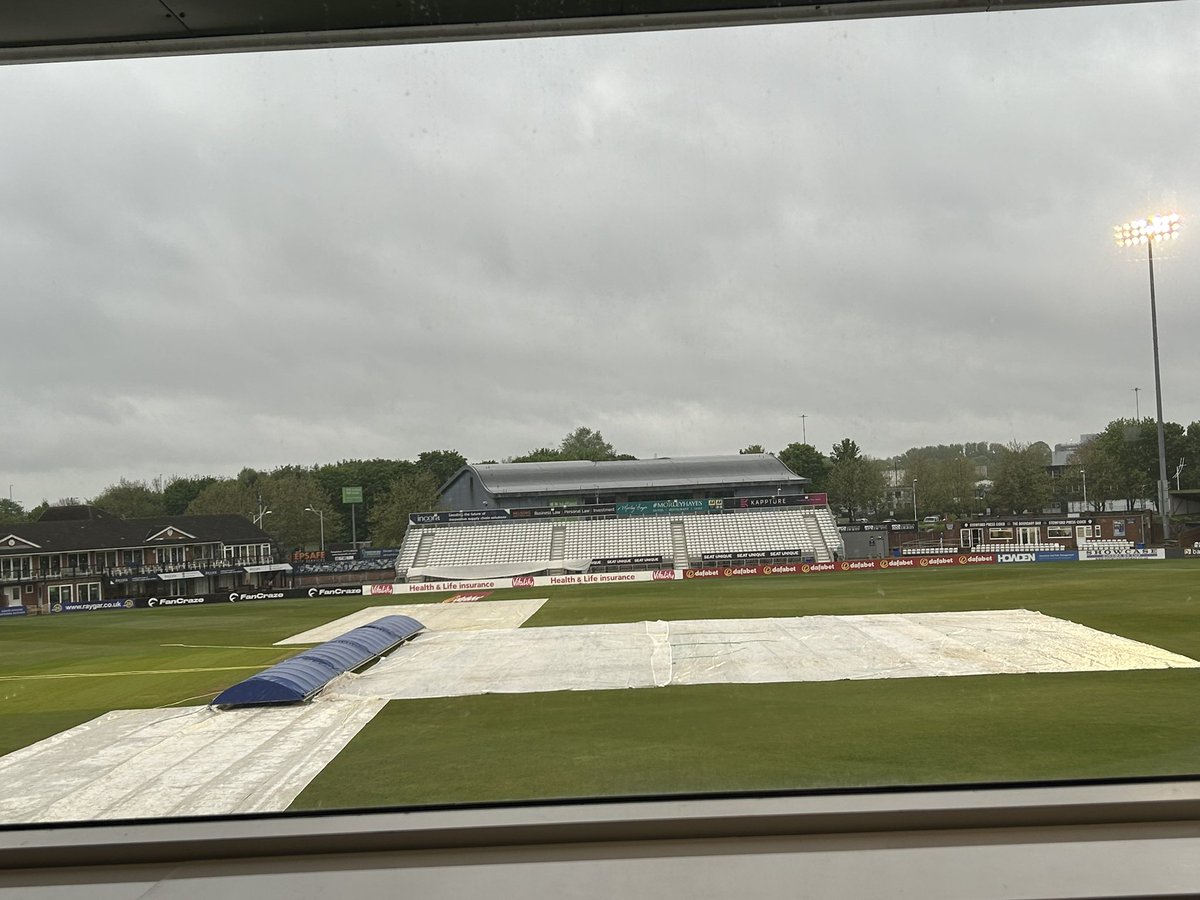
(899,228)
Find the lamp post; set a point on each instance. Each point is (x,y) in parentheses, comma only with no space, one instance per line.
(1155,229)
(1137,406)
(914,499)
(1083,475)
(322,517)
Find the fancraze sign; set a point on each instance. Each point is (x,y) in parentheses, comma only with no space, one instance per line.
(246,596)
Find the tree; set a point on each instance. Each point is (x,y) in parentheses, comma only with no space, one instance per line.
(180,492)
(287,493)
(806,461)
(1090,465)
(945,482)
(227,496)
(1191,456)
(11,512)
(131,500)
(1020,482)
(541,454)
(441,464)
(753,448)
(857,484)
(411,494)
(845,449)
(374,476)
(958,475)
(584,443)
(1130,452)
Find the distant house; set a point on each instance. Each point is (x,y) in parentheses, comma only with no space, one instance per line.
(79,555)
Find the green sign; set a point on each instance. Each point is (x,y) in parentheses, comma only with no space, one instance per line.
(352,495)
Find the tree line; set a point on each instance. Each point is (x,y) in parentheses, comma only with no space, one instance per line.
(1119,464)
(292,503)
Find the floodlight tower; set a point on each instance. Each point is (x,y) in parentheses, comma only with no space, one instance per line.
(320,513)
(1155,229)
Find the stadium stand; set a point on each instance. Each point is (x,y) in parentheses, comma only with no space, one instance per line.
(1015,548)
(941,550)
(517,548)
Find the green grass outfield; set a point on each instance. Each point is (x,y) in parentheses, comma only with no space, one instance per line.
(57,672)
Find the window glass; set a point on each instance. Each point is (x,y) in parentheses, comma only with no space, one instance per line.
(291,295)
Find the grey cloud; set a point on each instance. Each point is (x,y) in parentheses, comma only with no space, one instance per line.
(899,228)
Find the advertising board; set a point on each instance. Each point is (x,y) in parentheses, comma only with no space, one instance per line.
(1016,556)
(767,502)
(755,554)
(90,606)
(665,507)
(1092,555)
(1056,556)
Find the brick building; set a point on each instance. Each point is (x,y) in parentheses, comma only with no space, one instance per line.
(76,556)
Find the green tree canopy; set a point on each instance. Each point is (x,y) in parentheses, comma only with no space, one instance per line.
(806,461)
(11,512)
(856,483)
(413,493)
(541,454)
(226,496)
(1127,453)
(1020,482)
(753,448)
(845,449)
(180,492)
(945,483)
(131,500)
(441,464)
(584,443)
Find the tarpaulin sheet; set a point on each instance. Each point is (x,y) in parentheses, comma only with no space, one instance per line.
(747,651)
(494,614)
(186,761)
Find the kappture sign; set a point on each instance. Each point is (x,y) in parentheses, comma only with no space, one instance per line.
(729,503)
